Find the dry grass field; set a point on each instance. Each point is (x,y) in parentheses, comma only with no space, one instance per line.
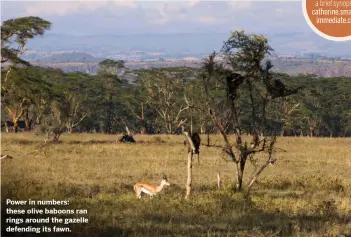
(306,193)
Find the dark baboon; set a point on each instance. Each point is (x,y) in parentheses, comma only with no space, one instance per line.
(195,137)
(233,82)
(276,88)
(126,139)
(197,141)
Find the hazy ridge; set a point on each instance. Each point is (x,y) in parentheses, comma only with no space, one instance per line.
(84,62)
(181,45)
(295,52)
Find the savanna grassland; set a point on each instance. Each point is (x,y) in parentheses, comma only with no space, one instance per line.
(306,193)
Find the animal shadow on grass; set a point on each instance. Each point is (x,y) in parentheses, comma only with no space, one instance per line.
(190,222)
(223,213)
(114,232)
(242,216)
(278,223)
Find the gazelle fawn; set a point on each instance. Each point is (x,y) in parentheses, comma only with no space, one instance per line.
(149,188)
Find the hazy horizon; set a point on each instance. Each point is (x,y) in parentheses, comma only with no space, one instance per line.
(96,23)
(172,17)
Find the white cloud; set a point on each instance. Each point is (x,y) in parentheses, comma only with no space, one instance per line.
(126,3)
(52,8)
(61,8)
(239,5)
(193,3)
(164,12)
(208,20)
(157,15)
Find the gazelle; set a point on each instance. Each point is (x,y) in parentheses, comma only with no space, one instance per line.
(149,188)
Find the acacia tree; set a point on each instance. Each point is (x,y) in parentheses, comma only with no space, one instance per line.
(25,86)
(165,94)
(111,103)
(16,89)
(41,102)
(113,67)
(135,99)
(14,36)
(72,107)
(226,84)
(198,118)
(324,108)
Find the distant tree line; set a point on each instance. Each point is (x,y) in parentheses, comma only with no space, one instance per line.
(161,101)
(166,100)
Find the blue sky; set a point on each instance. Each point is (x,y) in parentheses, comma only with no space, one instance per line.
(157,17)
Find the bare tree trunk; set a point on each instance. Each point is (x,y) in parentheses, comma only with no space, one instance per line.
(15,116)
(127,130)
(239,178)
(168,127)
(15,125)
(190,165)
(144,129)
(240,172)
(27,120)
(254,178)
(190,174)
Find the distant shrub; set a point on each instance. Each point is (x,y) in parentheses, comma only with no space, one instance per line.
(50,132)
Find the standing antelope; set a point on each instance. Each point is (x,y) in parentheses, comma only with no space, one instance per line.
(149,188)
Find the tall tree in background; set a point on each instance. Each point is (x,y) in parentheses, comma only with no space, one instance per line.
(135,100)
(73,106)
(41,106)
(165,94)
(198,119)
(112,67)
(111,108)
(242,75)
(17,89)
(14,36)
(26,84)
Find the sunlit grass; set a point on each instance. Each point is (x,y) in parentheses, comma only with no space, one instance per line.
(307,192)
